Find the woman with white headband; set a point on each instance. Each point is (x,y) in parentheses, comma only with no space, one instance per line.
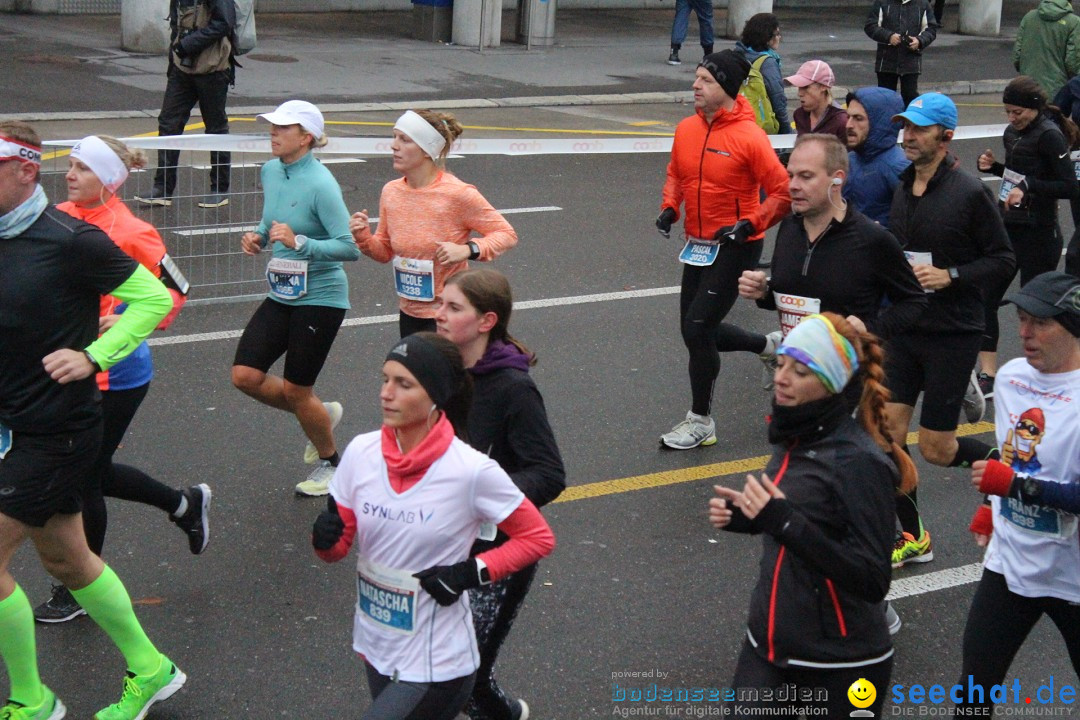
(98,166)
(427,218)
(306,224)
(825,509)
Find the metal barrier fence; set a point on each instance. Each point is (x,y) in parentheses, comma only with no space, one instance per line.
(204,242)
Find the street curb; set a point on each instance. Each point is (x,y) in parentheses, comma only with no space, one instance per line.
(960,87)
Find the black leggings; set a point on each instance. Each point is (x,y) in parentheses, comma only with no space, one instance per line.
(494,608)
(909,84)
(407,324)
(754,671)
(997,625)
(1038,250)
(119,481)
(415,701)
(707,296)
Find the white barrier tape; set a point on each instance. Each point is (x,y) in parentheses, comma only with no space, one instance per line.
(481,146)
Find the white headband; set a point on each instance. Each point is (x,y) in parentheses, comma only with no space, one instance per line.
(422,133)
(14,150)
(102,161)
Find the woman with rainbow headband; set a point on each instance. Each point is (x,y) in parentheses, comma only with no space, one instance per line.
(98,166)
(426,219)
(825,508)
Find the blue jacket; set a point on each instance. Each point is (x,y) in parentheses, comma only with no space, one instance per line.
(774,83)
(877,164)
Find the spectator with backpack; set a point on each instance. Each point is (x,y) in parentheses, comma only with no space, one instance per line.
(202,66)
(902,30)
(764,86)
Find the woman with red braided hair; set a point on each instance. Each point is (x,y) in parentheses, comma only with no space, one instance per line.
(825,508)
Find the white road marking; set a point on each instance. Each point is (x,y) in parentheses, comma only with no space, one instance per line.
(940,580)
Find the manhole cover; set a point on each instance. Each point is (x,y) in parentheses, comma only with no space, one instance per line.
(272,58)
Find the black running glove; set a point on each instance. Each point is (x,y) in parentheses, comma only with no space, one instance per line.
(663,222)
(739,233)
(328,527)
(446,583)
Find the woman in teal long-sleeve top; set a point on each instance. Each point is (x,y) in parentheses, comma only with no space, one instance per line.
(306,225)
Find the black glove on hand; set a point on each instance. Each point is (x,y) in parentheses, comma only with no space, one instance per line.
(664,220)
(445,583)
(739,233)
(328,527)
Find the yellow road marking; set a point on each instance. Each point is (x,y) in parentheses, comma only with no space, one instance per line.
(701,472)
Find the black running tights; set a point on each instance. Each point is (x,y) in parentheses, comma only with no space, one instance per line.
(119,481)
(997,624)
(706,298)
(415,701)
(494,608)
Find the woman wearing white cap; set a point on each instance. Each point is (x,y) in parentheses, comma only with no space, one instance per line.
(98,166)
(307,224)
(426,219)
(817,113)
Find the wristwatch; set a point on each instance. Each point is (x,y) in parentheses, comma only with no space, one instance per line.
(954,274)
(93,362)
(474,250)
(1031,488)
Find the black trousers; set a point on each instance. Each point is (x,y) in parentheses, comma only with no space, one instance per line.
(400,700)
(909,84)
(997,624)
(182,92)
(1038,250)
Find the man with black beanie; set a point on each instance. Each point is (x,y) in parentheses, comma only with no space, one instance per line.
(721,161)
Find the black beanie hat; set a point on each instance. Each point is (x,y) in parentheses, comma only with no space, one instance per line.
(729,68)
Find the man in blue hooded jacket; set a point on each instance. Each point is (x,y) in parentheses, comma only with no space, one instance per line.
(875,159)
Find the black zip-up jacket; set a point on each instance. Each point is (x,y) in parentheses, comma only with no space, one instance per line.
(1040,153)
(958,222)
(826,562)
(851,268)
(914,18)
(508,422)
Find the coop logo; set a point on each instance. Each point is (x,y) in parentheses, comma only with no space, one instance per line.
(792,301)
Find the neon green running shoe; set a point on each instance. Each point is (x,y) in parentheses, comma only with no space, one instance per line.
(142,691)
(909,550)
(50,709)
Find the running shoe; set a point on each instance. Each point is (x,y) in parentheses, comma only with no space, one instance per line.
(974,403)
(318,482)
(519,710)
(693,431)
(893,619)
(768,358)
(214,200)
(909,550)
(142,691)
(311,455)
(196,521)
(157,196)
(673,58)
(50,709)
(986,384)
(59,608)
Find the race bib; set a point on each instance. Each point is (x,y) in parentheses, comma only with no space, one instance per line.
(414,279)
(1037,520)
(919,258)
(287,278)
(793,308)
(1075,157)
(698,252)
(5,441)
(1009,180)
(387,596)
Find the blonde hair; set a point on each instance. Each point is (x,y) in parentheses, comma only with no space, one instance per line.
(318,142)
(447,126)
(133,158)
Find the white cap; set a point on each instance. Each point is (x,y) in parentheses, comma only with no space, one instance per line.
(297,112)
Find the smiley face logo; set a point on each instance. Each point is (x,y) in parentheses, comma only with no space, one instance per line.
(862,693)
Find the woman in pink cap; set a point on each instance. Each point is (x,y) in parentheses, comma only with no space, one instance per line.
(817,113)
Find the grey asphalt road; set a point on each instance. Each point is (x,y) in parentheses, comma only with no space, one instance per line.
(639,581)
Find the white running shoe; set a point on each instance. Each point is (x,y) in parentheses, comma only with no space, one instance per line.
(974,404)
(318,482)
(768,358)
(693,431)
(311,455)
(893,619)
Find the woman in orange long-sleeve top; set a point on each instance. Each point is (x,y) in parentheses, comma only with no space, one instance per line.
(427,219)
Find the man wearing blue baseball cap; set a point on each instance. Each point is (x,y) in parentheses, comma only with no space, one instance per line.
(947,222)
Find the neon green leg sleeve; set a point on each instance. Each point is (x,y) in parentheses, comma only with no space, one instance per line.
(106,601)
(18,648)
